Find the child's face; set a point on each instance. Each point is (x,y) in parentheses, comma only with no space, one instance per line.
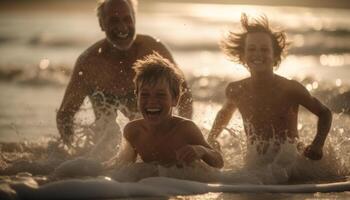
(155,101)
(258,52)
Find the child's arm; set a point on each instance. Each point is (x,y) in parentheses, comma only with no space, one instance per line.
(314,150)
(221,120)
(198,148)
(224,115)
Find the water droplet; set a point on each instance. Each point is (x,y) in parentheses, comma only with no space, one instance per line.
(338,82)
(300,126)
(309,87)
(44,64)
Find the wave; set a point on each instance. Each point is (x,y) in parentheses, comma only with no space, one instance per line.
(51,76)
(313,41)
(56,41)
(204,88)
(7,39)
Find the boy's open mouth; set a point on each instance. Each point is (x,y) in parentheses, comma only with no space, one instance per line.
(258,62)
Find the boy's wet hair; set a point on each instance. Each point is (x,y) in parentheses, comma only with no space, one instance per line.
(233,44)
(154,68)
(102,3)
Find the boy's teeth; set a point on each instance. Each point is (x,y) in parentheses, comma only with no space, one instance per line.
(257,62)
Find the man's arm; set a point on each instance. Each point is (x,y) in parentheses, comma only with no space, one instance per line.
(73,98)
(314,150)
(185,106)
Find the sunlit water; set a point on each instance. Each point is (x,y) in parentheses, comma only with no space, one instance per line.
(38,50)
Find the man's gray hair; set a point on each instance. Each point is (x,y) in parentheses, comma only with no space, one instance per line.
(101,4)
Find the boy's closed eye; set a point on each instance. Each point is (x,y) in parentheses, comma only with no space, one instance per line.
(265,49)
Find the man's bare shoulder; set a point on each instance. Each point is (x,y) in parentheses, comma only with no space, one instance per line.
(237,87)
(146,39)
(91,53)
(150,44)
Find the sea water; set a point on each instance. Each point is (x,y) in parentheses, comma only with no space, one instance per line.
(38,48)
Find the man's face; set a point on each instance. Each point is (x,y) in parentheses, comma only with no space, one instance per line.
(155,101)
(118,23)
(258,52)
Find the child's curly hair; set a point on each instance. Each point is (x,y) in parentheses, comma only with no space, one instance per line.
(233,45)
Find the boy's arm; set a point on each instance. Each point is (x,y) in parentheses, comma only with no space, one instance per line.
(314,150)
(73,98)
(222,118)
(199,148)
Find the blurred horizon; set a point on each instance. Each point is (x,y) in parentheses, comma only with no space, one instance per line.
(341,4)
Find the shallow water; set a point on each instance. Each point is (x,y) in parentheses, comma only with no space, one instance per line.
(38,49)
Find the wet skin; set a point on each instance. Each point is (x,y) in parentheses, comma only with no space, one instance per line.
(269,103)
(107,66)
(163,138)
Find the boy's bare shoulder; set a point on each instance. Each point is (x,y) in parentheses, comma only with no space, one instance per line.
(233,89)
(184,124)
(132,129)
(293,88)
(290,84)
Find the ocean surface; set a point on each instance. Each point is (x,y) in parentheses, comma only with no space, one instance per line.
(38,48)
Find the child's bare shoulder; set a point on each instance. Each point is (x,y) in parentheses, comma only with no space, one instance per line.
(294,89)
(132,129)
(189,130)
(290,84)
(185,124)
(233,89)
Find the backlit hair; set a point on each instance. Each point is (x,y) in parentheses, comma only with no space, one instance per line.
(233,45)
(153,69)
(101,3)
